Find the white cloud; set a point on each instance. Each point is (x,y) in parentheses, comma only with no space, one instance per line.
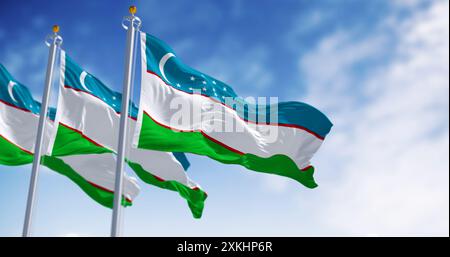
(27,62)
(384,168)
(407,3)
(232,58)
(306,24)
(323,67)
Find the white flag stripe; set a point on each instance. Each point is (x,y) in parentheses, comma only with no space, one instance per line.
(19,127)
(98,122)
(156,96)
(99,169)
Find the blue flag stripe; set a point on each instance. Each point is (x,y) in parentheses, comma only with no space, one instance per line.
(15,94)
(78,79)
(184,78)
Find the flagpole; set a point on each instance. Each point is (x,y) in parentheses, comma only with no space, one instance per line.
(56,41)
(134,24)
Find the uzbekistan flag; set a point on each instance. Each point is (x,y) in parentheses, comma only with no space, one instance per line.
(296,129)
(19,116)
(88,121)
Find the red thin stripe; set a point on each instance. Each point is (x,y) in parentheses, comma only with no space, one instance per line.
(83,135)
(306,168)
(208,137)
(202,132)
(25,150)
(219,102)
(222,144)
(106,189)
(22,109)
(90,140)
(197,188)
(14,106)
(163,180)
(168,127)
(83,91)
(91,183)
(158,178)
(30,153)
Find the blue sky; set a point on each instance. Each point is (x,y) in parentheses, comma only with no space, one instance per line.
(378,69)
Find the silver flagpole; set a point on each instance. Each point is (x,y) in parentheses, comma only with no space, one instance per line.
(55,42)
(132,27)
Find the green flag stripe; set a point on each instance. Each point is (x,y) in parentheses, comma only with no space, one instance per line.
(194,196)
(157,137)
(101,195)
(69,142)
(12,155)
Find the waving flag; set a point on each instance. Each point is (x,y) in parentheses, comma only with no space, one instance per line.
(88,121)
(167,83)
(19,115)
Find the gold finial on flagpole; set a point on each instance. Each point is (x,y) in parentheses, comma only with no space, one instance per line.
(132,19)
(132,9)
(55,28)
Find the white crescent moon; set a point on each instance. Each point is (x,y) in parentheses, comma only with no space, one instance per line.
(82,78)
(11,84)
(162,62)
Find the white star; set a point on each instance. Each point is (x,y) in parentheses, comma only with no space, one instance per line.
(114,98)
(214,89)
(178,85)
(114,105)
(224,89)
(192,78)
(204,82)
(190,88)
(204,88)
(202,75)
(214,82)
